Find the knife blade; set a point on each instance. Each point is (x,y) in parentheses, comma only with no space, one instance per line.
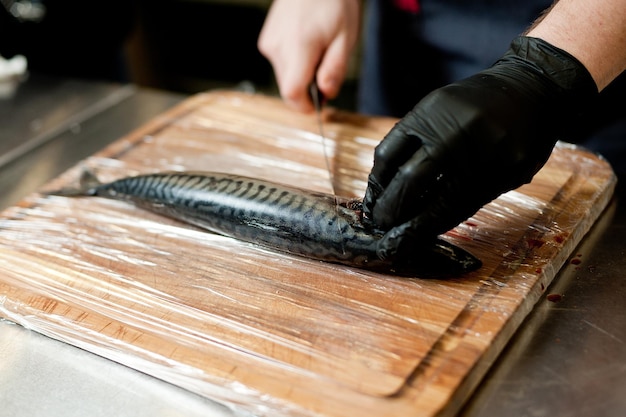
(318,98)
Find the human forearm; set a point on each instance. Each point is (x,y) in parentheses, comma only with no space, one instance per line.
(594,31)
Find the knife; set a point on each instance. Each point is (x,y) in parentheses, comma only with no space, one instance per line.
(318,99)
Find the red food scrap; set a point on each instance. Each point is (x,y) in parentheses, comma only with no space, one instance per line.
(555,298)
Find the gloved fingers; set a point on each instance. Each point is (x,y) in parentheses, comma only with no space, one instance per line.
(389,246)
(404,239)
(391,153)
(455,200)
(409,192)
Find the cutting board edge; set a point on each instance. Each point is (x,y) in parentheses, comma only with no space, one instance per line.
(484,364)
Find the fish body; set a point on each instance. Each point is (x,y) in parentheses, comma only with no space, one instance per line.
(288,219)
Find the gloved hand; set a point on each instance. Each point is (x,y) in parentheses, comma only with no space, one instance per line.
(466,143)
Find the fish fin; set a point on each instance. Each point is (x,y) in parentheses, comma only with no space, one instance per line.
(88,180)
(88,183)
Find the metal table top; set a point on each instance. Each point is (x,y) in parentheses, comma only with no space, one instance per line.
(567,359)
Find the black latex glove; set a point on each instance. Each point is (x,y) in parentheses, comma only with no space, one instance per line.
(468,142)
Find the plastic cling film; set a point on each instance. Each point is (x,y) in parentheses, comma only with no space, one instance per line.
(268,333)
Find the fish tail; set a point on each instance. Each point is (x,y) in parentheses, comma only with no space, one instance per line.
(87,186)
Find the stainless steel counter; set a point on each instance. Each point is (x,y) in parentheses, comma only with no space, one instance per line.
(567,359)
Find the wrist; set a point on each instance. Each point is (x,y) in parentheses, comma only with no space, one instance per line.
(556,65)
(562,82)
(593,32)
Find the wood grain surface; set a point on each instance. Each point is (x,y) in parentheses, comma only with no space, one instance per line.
(269,333)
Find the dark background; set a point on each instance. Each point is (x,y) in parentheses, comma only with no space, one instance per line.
(185,46)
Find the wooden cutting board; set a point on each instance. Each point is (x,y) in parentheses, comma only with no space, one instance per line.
(270,333)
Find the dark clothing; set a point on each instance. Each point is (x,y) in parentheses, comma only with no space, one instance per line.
(407,55)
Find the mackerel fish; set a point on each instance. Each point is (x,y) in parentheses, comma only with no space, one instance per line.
(286,219)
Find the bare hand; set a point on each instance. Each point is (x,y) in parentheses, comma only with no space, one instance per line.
(304,39)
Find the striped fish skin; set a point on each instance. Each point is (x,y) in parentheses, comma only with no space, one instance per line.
(288,219)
